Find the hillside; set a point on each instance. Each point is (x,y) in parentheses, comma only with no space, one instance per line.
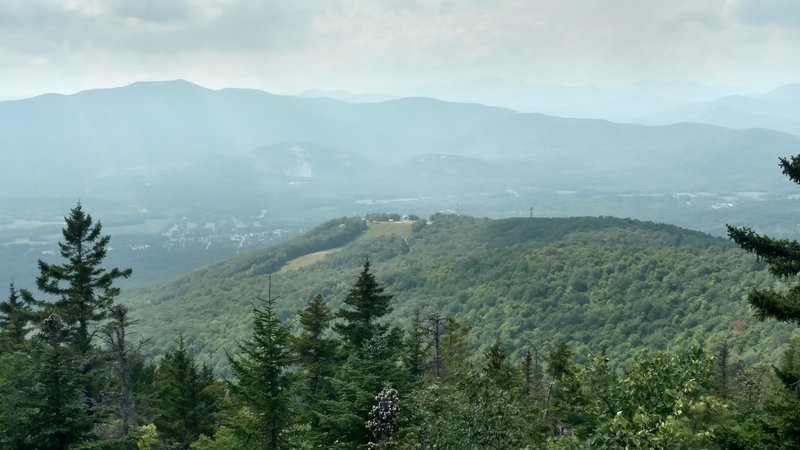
(597,282)
(185,176)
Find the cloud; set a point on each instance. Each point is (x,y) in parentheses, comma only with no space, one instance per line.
(768,12)
(374,44)
(157,11)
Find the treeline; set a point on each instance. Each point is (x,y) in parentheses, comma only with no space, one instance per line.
(73,374)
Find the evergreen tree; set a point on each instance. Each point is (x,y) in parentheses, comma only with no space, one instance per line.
(16,314)
(369,304)
(497,366)
(454,350)
(263,379)
(435,328)
(317,355)
(559,361)
(124,356)
(783,258)
(186,403)
(85,289)
(59,418)
(415,351)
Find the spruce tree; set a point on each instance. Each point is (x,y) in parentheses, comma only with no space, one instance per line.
(264,381)
(497,366)
(317,354)
(415,351)
(783,258)
(59,419)
(84,288)
(16,314)
(186,403)
(372,363)
(368,305)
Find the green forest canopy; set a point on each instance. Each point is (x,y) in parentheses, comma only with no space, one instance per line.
(599,283)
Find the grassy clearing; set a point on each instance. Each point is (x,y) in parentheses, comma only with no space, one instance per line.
(306,260)
(401,228)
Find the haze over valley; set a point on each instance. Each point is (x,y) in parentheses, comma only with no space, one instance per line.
(184,175)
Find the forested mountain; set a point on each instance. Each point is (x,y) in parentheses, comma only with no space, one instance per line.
(147,133)
(599,283)
(185,176)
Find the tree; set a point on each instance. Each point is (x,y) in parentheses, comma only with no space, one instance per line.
(85,289)
(59,418)
(454,350)
(497,366)
(263,379)
(124,355)
(369,304)
(15,315)
(783,258)
(186,401)
(415,351)
(316,354)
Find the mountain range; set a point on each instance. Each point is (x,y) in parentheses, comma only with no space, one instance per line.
(184,175)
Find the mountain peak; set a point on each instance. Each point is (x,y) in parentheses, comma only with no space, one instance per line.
(171,84)
(786,92)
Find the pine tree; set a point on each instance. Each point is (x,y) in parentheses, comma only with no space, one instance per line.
(317,355)
(415,351)
(60,419)
(783,258)
(85,290)
(16,314)
(186,402)
(497,366)
(454,350)
(369,304)
(263,378)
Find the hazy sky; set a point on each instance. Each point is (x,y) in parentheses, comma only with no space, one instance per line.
(393,45)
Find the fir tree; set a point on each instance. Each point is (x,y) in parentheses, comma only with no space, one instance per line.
(497,366)
(415,351)
(16,314)
(316,353)
(186,402)
(783,258)
(60,418)
(263,379)
(85,289)
(369,304)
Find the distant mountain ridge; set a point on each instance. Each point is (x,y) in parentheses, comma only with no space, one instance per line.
(778,109)
(180,124)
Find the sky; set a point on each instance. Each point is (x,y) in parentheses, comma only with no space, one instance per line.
(394,46)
